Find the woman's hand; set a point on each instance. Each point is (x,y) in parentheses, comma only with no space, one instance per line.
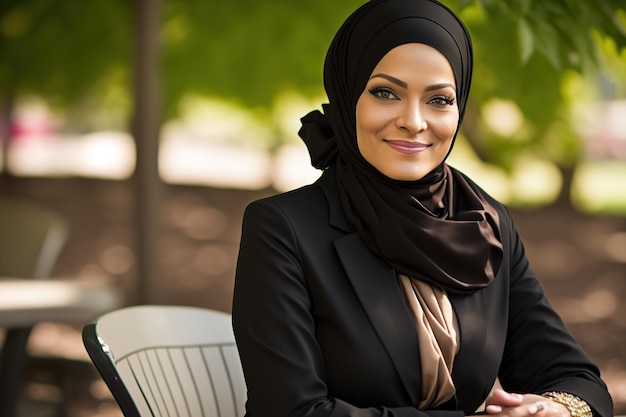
(507,404)
(501,400)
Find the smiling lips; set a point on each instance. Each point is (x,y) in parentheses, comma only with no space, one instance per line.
(407,147)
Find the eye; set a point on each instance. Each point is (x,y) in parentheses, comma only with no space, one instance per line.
(383,93)
(442,101)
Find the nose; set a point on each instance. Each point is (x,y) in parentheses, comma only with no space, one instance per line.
(412,119)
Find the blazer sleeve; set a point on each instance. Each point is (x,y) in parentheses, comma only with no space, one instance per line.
(275,328)
(540,354)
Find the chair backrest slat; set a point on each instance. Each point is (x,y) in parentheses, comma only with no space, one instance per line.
(182,374)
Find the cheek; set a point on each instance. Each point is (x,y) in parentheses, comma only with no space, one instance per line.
(370,120)
(448,127)
(363,116)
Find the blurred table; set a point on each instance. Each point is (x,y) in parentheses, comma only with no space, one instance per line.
(25,303)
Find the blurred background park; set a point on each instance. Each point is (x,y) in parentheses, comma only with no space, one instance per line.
(151,124)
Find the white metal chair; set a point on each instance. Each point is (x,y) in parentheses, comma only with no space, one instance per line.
(31,239)
(168,361)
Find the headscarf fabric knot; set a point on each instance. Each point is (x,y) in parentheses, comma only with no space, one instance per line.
(320,139)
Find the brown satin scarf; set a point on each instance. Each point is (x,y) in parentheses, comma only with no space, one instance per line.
(438,336)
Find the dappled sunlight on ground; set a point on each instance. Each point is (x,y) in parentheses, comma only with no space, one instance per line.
(600,186)
(188,162)
(98,155)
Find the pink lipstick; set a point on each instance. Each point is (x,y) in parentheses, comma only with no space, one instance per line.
(407,147)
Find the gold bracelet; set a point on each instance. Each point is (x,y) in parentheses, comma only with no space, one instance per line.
(577,406)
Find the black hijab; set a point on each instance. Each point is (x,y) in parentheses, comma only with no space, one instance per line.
(437,229)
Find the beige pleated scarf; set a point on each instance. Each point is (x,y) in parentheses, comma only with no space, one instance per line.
(437,332)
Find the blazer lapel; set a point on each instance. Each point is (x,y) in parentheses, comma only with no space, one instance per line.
(472,314)
(377,288)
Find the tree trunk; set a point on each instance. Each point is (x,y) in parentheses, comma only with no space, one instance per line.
(6,112)
(145,129)
(563,201)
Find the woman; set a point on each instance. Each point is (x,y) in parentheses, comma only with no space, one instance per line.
(395,286)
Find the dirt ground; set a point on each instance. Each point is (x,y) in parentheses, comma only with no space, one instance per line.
(580,259)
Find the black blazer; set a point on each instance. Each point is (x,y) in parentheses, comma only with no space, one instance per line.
(323,329)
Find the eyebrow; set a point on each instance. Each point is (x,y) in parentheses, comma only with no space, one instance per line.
(390,79)
(440,86)
(402,84)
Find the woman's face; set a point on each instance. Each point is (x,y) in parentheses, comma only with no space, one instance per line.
(407,115)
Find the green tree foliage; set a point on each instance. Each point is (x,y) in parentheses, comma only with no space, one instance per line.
(63,49)
(248,50)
